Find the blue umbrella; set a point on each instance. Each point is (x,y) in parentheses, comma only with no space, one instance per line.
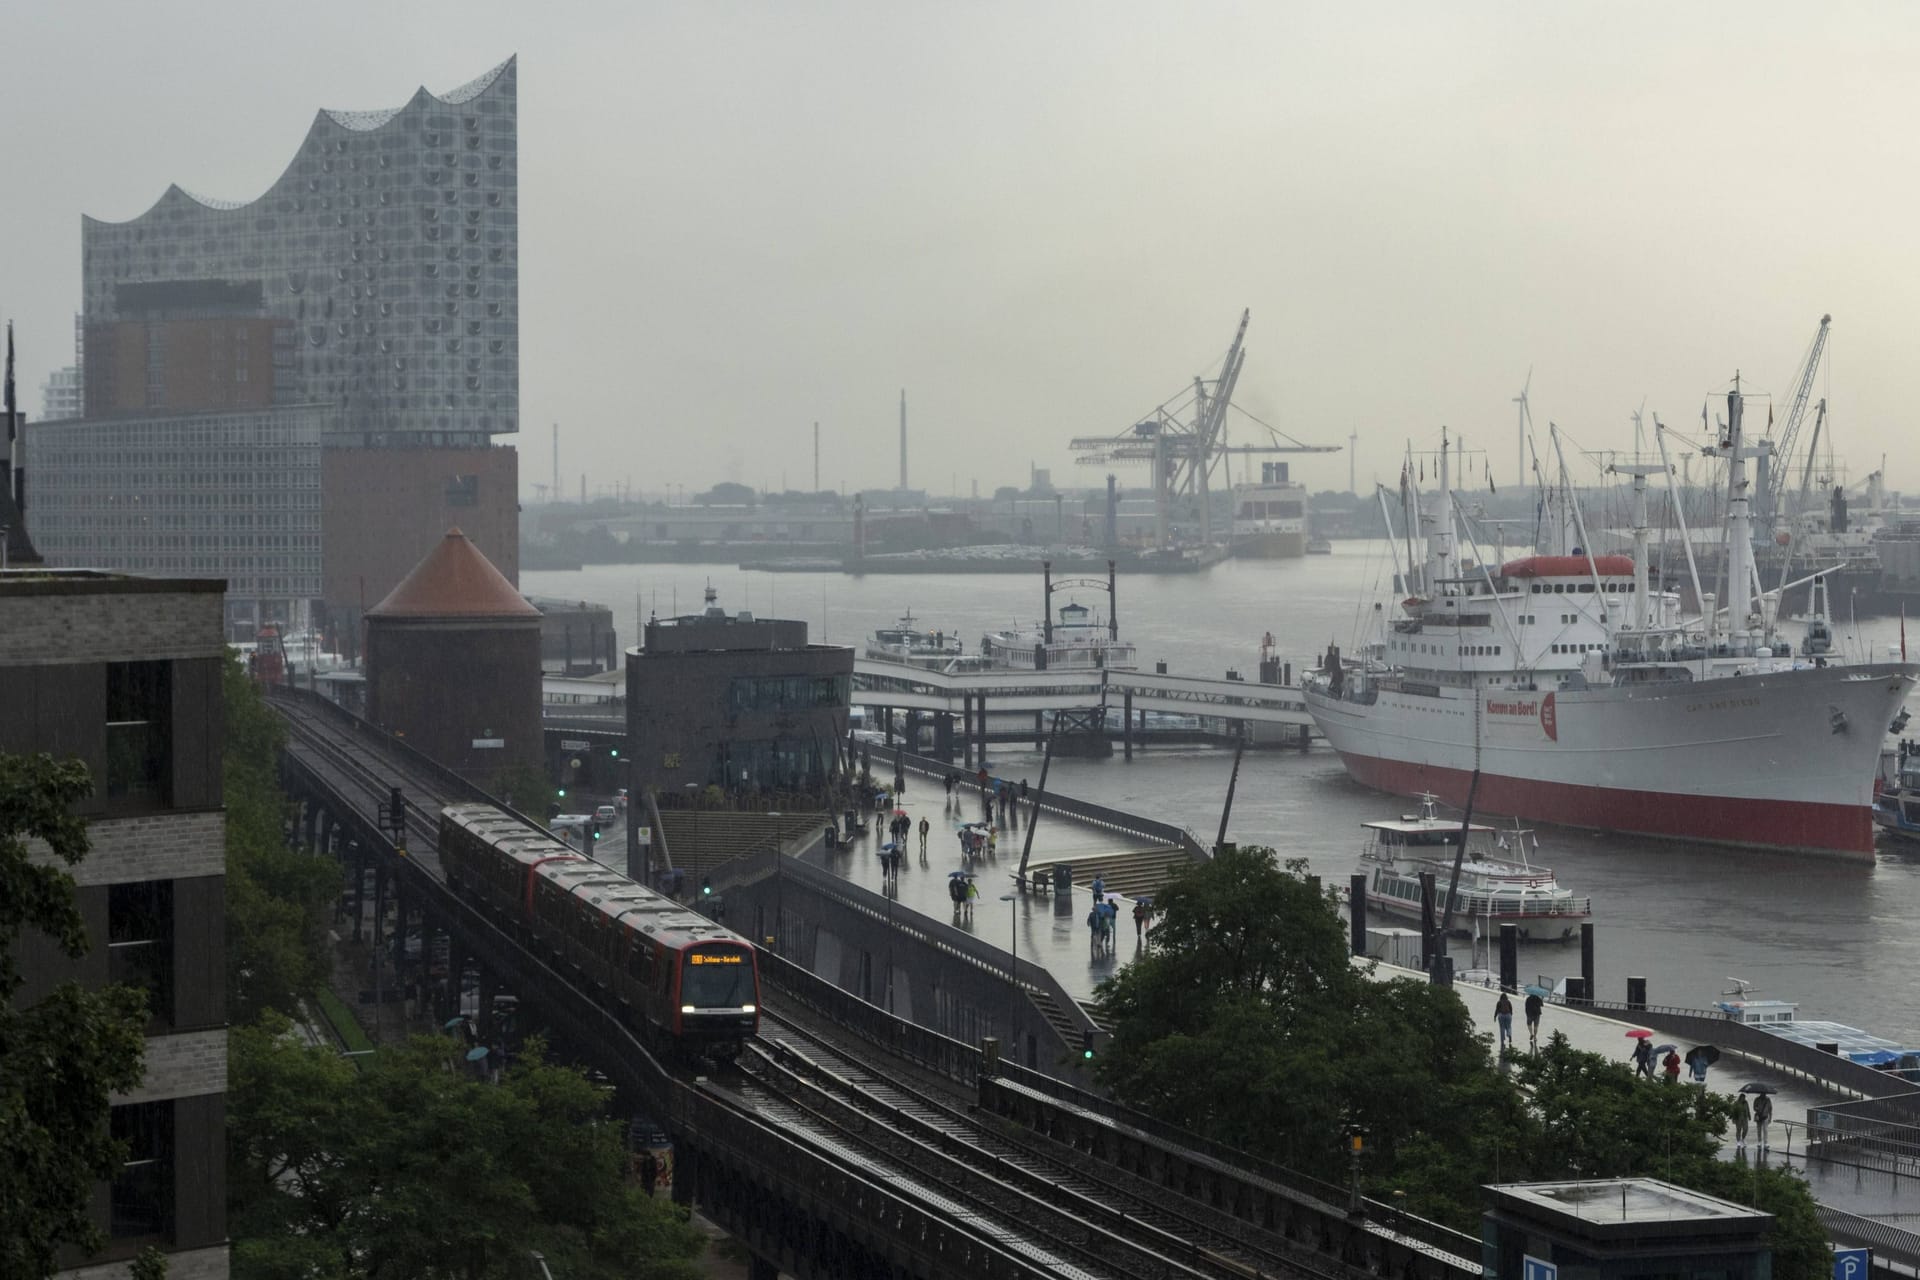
(476,1053)
(451,1023)
(1535,989)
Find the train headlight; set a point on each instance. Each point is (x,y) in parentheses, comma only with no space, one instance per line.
(749,1008)
(686,1008)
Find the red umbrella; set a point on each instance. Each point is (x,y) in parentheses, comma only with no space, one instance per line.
(1640,1033)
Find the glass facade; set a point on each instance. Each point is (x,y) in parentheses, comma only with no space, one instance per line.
(391,247)
(228,495)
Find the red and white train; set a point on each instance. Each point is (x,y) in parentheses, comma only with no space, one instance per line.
(680,980)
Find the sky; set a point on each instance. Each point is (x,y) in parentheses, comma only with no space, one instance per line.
(1044,219)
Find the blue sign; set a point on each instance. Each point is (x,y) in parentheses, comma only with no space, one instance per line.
(1541,1269)
(1852,1264)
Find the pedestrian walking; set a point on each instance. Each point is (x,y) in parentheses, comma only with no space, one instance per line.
(973,896)
(1671,1065)
(1532,1009)
(1503,1015)
(1762,1117)
(1023,788)
(1094,922)
(1697,1068)
(1643,1057)
(1139,922)
(925,828)
(1099,888)
(1740,1114)
(993,841)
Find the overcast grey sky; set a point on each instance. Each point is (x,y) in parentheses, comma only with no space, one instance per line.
(1043,219)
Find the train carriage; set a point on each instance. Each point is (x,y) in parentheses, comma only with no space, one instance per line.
(675,976)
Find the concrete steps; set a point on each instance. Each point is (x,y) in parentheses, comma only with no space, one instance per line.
(703,840)
(1131,875)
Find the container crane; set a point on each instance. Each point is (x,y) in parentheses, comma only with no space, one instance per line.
(1183,442)
(1776,482)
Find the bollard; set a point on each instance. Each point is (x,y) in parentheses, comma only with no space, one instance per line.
(1576,990)
(989,1055)
(1509,957)
(1586,960)
(1636,993)
(1357,911)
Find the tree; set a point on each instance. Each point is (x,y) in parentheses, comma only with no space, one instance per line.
(63,1058)
(277,896)
(528,789)
(414,1168)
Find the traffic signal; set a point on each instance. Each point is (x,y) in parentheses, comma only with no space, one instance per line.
(561,792)
(706,886)
(596,829)
(615,753)
(1086,1045)
(396,808)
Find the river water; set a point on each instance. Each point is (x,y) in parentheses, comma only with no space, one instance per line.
(1834,936)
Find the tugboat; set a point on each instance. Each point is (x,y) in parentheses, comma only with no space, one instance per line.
(1896,800)
(1493,890)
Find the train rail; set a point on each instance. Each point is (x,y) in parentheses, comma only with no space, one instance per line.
(1199,1240)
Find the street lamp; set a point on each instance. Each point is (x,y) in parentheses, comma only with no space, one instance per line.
(1013,971)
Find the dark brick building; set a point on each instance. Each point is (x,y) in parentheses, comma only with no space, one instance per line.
(125,674)
(453,663)
(735,702)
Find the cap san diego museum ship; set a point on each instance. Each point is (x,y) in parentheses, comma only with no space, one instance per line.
(1565,689)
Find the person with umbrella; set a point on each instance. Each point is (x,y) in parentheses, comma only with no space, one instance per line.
(1671,1064)
(1643,1052)
(1699,1058)
(1532,1009)
(1740,1114)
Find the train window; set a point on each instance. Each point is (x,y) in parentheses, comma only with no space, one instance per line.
(717,979)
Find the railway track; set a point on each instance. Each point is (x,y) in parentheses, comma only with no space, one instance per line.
(1082,1201)
(1051,1207)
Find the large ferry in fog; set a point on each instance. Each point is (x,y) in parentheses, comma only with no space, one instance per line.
(1566,688)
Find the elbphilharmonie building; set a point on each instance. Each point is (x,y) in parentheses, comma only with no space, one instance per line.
(300,392)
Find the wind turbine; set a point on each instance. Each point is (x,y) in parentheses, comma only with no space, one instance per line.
(1520,449)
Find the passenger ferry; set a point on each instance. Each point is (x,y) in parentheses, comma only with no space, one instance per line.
(1493,890)
(1079,641)
(904,642)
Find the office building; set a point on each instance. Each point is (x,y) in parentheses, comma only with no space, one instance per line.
(738,703)
(358,322)
(125,674)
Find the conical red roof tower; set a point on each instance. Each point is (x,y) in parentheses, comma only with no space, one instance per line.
(454,581)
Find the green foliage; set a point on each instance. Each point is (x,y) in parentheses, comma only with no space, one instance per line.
(413,1168)
(63,1058)
(277,897)
(528,789)
(151,1264)
(1247,1023)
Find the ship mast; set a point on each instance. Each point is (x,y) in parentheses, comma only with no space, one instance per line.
(1440,540)
(1739,520)
(1642,609)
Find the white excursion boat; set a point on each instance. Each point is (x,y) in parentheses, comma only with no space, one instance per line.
(1080,640)
(1568,688)
(1498,884)
(1270,518)
(906,643)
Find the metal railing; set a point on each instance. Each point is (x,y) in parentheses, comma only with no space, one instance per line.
(923,1046)
(1098,815)
(1886,1241)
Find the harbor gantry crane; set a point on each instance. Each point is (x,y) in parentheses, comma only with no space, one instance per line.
(1775,487)
(1185,440)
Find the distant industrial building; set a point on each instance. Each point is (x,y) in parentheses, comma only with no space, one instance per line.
(357,326)
(453,664)
(576,637)
(125,674)
(738,703)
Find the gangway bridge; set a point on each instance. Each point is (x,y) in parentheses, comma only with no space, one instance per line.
(848,1141)
(971,695)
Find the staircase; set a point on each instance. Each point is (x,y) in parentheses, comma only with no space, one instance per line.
(1143,872)
(701,840)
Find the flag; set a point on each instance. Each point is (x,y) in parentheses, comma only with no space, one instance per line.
(1423,471)
(1491,487)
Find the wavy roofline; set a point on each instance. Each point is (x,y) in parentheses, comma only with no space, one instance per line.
(351,121)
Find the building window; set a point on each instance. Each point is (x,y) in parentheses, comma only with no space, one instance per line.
(139,737)
(140,943)
(142,1195)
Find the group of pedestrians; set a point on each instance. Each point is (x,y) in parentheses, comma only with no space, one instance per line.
(1761,1116)
(964,893)
(1503,1017)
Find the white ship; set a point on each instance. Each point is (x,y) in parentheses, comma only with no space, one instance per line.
(1078,641)
(1270,518)
(1498,884)
(904,642)
(1565,689)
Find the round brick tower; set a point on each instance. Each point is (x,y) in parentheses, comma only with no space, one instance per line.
(453,664)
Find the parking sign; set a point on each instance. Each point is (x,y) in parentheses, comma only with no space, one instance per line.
(1541,1269)
(1852,1264)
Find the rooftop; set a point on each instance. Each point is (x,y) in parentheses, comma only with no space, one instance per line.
(36,580)
(454,581)
(1627,1206)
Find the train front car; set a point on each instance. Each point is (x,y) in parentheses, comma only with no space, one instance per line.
(716,995)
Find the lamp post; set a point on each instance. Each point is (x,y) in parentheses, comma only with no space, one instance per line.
(1013,971)
(693,793)
(780,881)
